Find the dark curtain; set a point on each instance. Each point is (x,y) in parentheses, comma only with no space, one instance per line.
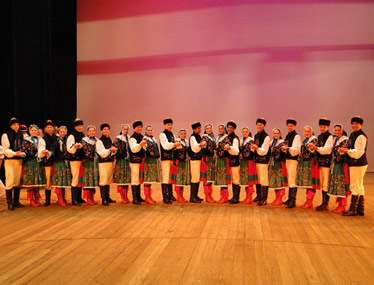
(39,63)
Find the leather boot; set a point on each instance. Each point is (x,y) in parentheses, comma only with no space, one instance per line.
(292,198)
(309,199)
(63,190)
(224,195)
(104,198)
(135,200)
(353,207)
(16,202)
(165,194)
(74,195)
(235,194)
(179,191)
(361,206)
(47,198)
(264,196)
(208,194)
(170,192)
(248,195)
(258,193)
(107,189)
(60,198)
(147,194)
(194,190)
(122,190)
(325,202)
(79,195)
(9,199)
(278,198)
(140,199)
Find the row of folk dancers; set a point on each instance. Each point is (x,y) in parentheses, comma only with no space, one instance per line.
(334,164)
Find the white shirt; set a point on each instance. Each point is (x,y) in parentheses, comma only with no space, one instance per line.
(195,146)
(102,151)
(6,147)
(359,147)
(327,148)
(166,145)
(264,148)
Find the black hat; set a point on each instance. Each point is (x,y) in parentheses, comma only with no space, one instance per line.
(105,125)
(195,125)
(168,121)
(261,120)
(357,119)
(137,123)
(232,124)
(13,121)
(324,122)
(77,122)
(291,121)
(49,123)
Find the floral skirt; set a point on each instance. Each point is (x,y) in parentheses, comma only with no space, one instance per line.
(307,174)
(180,173)
(339,180)
(248,173)
(61,176)
(91,173)
(208,169)
(277,175)
(152,170)
(33,174)
(122,172)
(223,177)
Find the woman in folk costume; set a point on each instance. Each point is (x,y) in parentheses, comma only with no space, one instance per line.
(11,142)
(339,172)
(91,165)
(33,175)
(208,163)
(277,167)
(76,156)
(122,172)
(358,163)
(106,154)
(223,177)
(152,165)
(248,172)
(180,175)
(61,177)
(307,168)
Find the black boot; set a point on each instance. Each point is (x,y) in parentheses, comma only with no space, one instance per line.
(107,187)
(170,192)
(325,202)
(197,192)
(16,202)
(74,196)
(288,200)
(194,190)
(9,199)
(361,206)
(79,195)
(292,197)
(104,196)
(264,196)
(258,193)
(47,198)
(353,207)
(235,194)
(135,200)
(140,199)
(165,193)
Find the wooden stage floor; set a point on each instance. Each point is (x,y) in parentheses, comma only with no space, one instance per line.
(186,244)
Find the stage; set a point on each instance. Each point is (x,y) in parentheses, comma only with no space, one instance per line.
(186,244)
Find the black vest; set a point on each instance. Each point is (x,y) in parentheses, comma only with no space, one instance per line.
(61,150)
(121,148)
(233,159)
(362,161)
(79,154)
(181,153)
(51,145)
(289,140)
(167,154)
(107,142)
(324,160)
(138,156)
(15,142)
(195,155)
(277,153)
(259,140)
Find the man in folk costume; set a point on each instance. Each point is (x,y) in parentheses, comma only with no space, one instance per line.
(50,139)
(324,156)
(292,150)
(262,158)
(167,145)
(195,153)
(106,152)
(74,147)
(137,154)
(11,143)
(357,161)
(234,161)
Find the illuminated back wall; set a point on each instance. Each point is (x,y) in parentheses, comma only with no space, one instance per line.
(215,61)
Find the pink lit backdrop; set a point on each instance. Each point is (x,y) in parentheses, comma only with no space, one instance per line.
(215,61)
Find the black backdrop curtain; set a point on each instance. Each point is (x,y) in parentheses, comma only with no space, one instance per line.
(39,63)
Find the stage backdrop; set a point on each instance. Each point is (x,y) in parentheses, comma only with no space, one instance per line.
(215,61)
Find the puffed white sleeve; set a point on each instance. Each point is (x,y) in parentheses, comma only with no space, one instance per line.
(70,144)
(195,146)
(263,150)
(234,149)
(6,146)
(359,147)
(101,150)
(134,146)
(41,147)
(166,145)
(327,148)
(296,146)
